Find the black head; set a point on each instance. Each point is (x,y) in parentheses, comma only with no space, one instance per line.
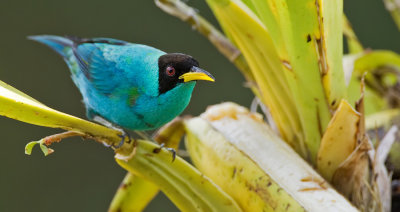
(171,67)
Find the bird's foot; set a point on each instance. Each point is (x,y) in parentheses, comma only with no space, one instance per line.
(108,124)
(162,146)
(123,136)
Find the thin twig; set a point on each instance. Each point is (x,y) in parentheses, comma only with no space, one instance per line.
(56,138)
(49,140)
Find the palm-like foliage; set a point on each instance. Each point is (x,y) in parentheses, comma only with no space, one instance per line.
(320,106)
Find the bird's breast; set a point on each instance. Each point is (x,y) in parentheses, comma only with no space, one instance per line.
(151,112)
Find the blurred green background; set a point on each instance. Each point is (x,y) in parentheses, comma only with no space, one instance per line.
(82,175)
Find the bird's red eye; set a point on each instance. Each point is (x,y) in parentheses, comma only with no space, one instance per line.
(170,71)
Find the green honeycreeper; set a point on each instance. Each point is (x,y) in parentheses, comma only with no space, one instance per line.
(133,86)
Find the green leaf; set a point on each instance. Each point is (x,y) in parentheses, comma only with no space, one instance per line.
(29,146)
(46,151)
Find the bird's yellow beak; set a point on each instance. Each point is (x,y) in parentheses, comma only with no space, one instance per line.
(196,73)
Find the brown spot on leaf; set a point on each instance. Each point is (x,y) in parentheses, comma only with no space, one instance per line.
(307,179)
(312,189)
(148,155)
(319,123)
(124,185)
(320,182)
(234,172)
(156,150)
(287,65)
(262,192)
(308,38)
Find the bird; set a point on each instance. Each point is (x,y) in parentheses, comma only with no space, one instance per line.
(126,85)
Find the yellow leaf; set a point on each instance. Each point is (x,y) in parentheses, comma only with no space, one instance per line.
(339,140)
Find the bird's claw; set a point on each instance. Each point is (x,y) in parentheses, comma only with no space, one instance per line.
(162,146)
(123,135)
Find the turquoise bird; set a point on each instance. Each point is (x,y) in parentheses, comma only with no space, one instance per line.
(126,85)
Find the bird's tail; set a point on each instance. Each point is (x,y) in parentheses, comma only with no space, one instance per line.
(57,43)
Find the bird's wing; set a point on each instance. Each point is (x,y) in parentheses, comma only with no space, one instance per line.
(99,70)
